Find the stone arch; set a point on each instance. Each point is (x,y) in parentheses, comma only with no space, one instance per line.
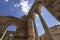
(7,21)
(51,6)
(21,24)
(36,7)
(12,23)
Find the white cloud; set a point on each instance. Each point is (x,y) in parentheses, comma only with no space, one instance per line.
(25,6)
(17,5)
(6,0)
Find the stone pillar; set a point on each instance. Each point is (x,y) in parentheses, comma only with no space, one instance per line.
(40,38)
(30,29)
(4,34)
(47,31)
(35,28)
(36,32)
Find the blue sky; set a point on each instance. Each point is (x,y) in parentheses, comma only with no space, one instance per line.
(18,8)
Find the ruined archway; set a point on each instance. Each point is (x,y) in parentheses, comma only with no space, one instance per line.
(26,22)
(52,6)
(5,22)
(24,28)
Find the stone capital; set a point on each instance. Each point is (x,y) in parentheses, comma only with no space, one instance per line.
(39,7)
(32,15)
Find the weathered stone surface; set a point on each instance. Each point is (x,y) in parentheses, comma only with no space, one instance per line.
(23,32)
(55,31)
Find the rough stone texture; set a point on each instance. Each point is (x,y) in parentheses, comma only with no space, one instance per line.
(53,7)
(23,32)
(55,31)
(30,30)
(24,25)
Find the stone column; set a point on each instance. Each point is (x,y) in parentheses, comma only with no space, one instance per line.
(30,29)
(35,28)
(40,38)
(4,34)
(36,32)
(47,31)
